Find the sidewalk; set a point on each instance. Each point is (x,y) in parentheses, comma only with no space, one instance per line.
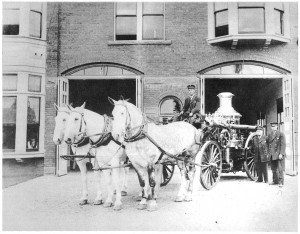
(50,203)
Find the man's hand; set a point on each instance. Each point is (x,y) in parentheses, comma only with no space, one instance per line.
(191,114)
(181,112)
(280,156)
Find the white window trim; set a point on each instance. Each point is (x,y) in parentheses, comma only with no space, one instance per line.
(139,35)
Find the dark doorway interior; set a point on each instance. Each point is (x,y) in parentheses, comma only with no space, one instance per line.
(247,98)
(96,92)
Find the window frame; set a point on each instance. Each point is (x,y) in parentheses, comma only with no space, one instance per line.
(281,21)
(15,9)
(252,7)
(41,24)
(139,29)
(215,20)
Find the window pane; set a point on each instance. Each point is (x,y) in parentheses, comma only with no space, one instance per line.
(252,69)
(34,83)
(221,6)
(36,6)
(153,27)
(126,8)
(113,71)
(221,23)
(93,71)
(251,20)
(169,107)
(251,4)
(231,69)
(9,82)
(153,8)
(10,22)
(9,107)
(126,28)
(33,124)
(35,22)
(278,21)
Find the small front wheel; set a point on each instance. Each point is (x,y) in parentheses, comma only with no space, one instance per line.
(211,164)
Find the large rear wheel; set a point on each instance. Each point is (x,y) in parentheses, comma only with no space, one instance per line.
(249,164)
(211,164)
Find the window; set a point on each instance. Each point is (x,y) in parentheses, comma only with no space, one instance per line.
(34,83)
(33,124)
(9,107)
(139,21)
(153,21)
(278,18)
(35,19)
(251,17)
(11,21)
(221,19)
(126,21)
(9,82)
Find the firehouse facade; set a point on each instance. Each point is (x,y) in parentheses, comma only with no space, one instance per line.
(148,52)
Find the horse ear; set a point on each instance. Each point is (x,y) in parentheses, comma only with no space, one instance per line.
(127,100)
(121,97)
(70,108)
(112,101)
(71,104)
(83,105)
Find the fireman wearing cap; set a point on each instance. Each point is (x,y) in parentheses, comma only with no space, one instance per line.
(191,105)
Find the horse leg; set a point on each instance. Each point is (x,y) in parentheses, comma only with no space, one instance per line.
(108,179)
(83,172)
(158,176)
(152,205)
(191,174)
(124,172)
(141,176)
(97,178)
(116,183)
(182,191)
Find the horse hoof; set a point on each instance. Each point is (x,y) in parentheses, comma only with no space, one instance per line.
(152,206)
(139,198)
(179,199)
(188,198)
(107,204)
(98,202)
(83,202)
(142,206)
(117,207)
(123,193)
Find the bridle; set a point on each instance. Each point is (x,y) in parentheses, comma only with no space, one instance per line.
(128,129)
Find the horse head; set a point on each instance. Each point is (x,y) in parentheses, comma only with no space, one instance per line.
(60,123)
(126,116)
(75,125)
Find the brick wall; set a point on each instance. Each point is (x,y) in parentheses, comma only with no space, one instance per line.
(78,33)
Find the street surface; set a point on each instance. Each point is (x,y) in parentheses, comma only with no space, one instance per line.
(50,203)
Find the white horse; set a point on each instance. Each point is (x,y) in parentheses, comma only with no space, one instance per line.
(110,154)
(178,138)
(58,135)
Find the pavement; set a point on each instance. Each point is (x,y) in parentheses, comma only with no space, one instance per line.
(51,203)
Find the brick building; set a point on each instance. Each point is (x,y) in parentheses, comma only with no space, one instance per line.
(149,52)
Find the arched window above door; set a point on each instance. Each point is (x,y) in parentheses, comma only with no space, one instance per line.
(102,69)
(169,106)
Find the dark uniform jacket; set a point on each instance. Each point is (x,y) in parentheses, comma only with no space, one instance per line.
(276,142)
(191,106)
(261,150)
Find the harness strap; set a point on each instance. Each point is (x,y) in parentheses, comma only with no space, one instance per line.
(103,137)
(82,142)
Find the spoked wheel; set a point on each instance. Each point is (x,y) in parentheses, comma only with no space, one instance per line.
(211,164)
(249,164)
(167,173)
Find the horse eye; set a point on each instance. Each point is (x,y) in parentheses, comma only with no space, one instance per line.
(122,113)
(64,120)
(76,119)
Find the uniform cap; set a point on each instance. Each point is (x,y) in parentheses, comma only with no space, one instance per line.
(191,86)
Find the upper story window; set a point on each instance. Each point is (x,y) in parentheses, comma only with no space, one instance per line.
(139,21)
(11,21)
(278,17)
(251,17)
(9,82)
(221,19)
(35,20)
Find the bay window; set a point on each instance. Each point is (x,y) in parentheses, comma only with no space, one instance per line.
(221,19)
(251,17)
(11,21)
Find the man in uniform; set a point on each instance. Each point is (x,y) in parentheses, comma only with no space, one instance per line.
(191,105)
(276,141)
